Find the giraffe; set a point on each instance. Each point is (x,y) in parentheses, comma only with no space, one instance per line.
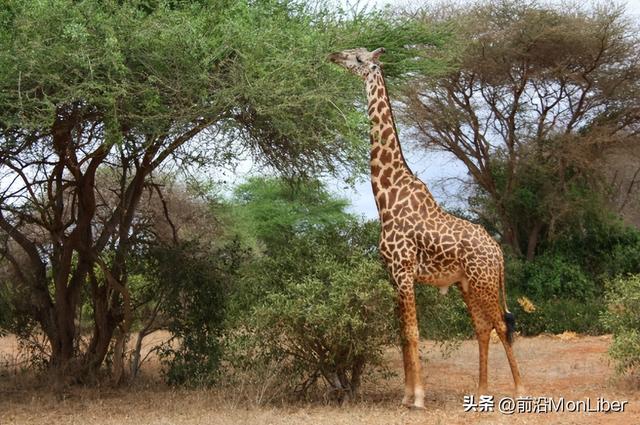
(421,243)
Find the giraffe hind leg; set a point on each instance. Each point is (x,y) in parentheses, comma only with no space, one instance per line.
(482,326)
(483,333)
(504,326)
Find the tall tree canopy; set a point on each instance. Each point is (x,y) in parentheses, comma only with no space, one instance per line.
(533,97)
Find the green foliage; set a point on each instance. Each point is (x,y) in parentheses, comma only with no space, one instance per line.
(442,317)
(557,315)
(328,326)
(603,245)
(15,318)
(316,309)
(279,51)
(59,52)
(194,285)
(258,70)
(623,258)
(95,88)
(409,42)
(565,296)
(553,276)
(567,281)
(542,203)
(622,318)
(267,210)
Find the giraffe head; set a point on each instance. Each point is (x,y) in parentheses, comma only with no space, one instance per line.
(358,61)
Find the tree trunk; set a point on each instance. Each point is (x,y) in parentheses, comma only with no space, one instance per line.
(356,375)
(97,350)
(511,237)
(136,356)
(117,373)
(532,243)
(61,333)
(104,327)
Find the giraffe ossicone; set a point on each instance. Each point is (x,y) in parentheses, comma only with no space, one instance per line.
(420,242)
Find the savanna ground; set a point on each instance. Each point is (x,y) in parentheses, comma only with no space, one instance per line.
(569,366)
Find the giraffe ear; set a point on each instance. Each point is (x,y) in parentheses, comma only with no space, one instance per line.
(335,57)
(376,53)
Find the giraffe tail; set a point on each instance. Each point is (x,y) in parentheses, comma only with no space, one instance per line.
(509,318)
(510,321)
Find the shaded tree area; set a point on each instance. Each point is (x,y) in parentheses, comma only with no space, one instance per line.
(267,211)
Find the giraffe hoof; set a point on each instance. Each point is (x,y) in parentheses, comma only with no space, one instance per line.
(407,401)
(482,391)
(416,407)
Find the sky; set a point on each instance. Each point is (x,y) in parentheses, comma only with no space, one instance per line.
(632,6)
(440,171)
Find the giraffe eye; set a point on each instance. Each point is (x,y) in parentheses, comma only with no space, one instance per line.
(359,60)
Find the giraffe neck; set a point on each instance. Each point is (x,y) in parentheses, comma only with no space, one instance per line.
(388,166)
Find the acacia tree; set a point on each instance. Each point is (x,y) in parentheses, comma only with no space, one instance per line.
(531,100)
(128,87)
(125,88)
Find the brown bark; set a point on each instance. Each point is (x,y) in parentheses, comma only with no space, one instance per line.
(532,242)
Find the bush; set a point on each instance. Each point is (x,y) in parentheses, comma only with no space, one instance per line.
(554,276)
(622,318)
(194,283)
(15,319)
(565,296)
(566,282)
(445,318)
(442,317)
(321,316)
(330,329)
(604,246)
(558,315)
(623,259)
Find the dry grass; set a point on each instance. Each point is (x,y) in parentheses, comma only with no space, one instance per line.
(574,368)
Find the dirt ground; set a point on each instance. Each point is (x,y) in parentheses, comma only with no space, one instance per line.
(570,367)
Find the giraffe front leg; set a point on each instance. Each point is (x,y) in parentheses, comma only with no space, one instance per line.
(410,347)
(407,399)
(483,345)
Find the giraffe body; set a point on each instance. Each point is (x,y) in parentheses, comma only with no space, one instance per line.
(420,242)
